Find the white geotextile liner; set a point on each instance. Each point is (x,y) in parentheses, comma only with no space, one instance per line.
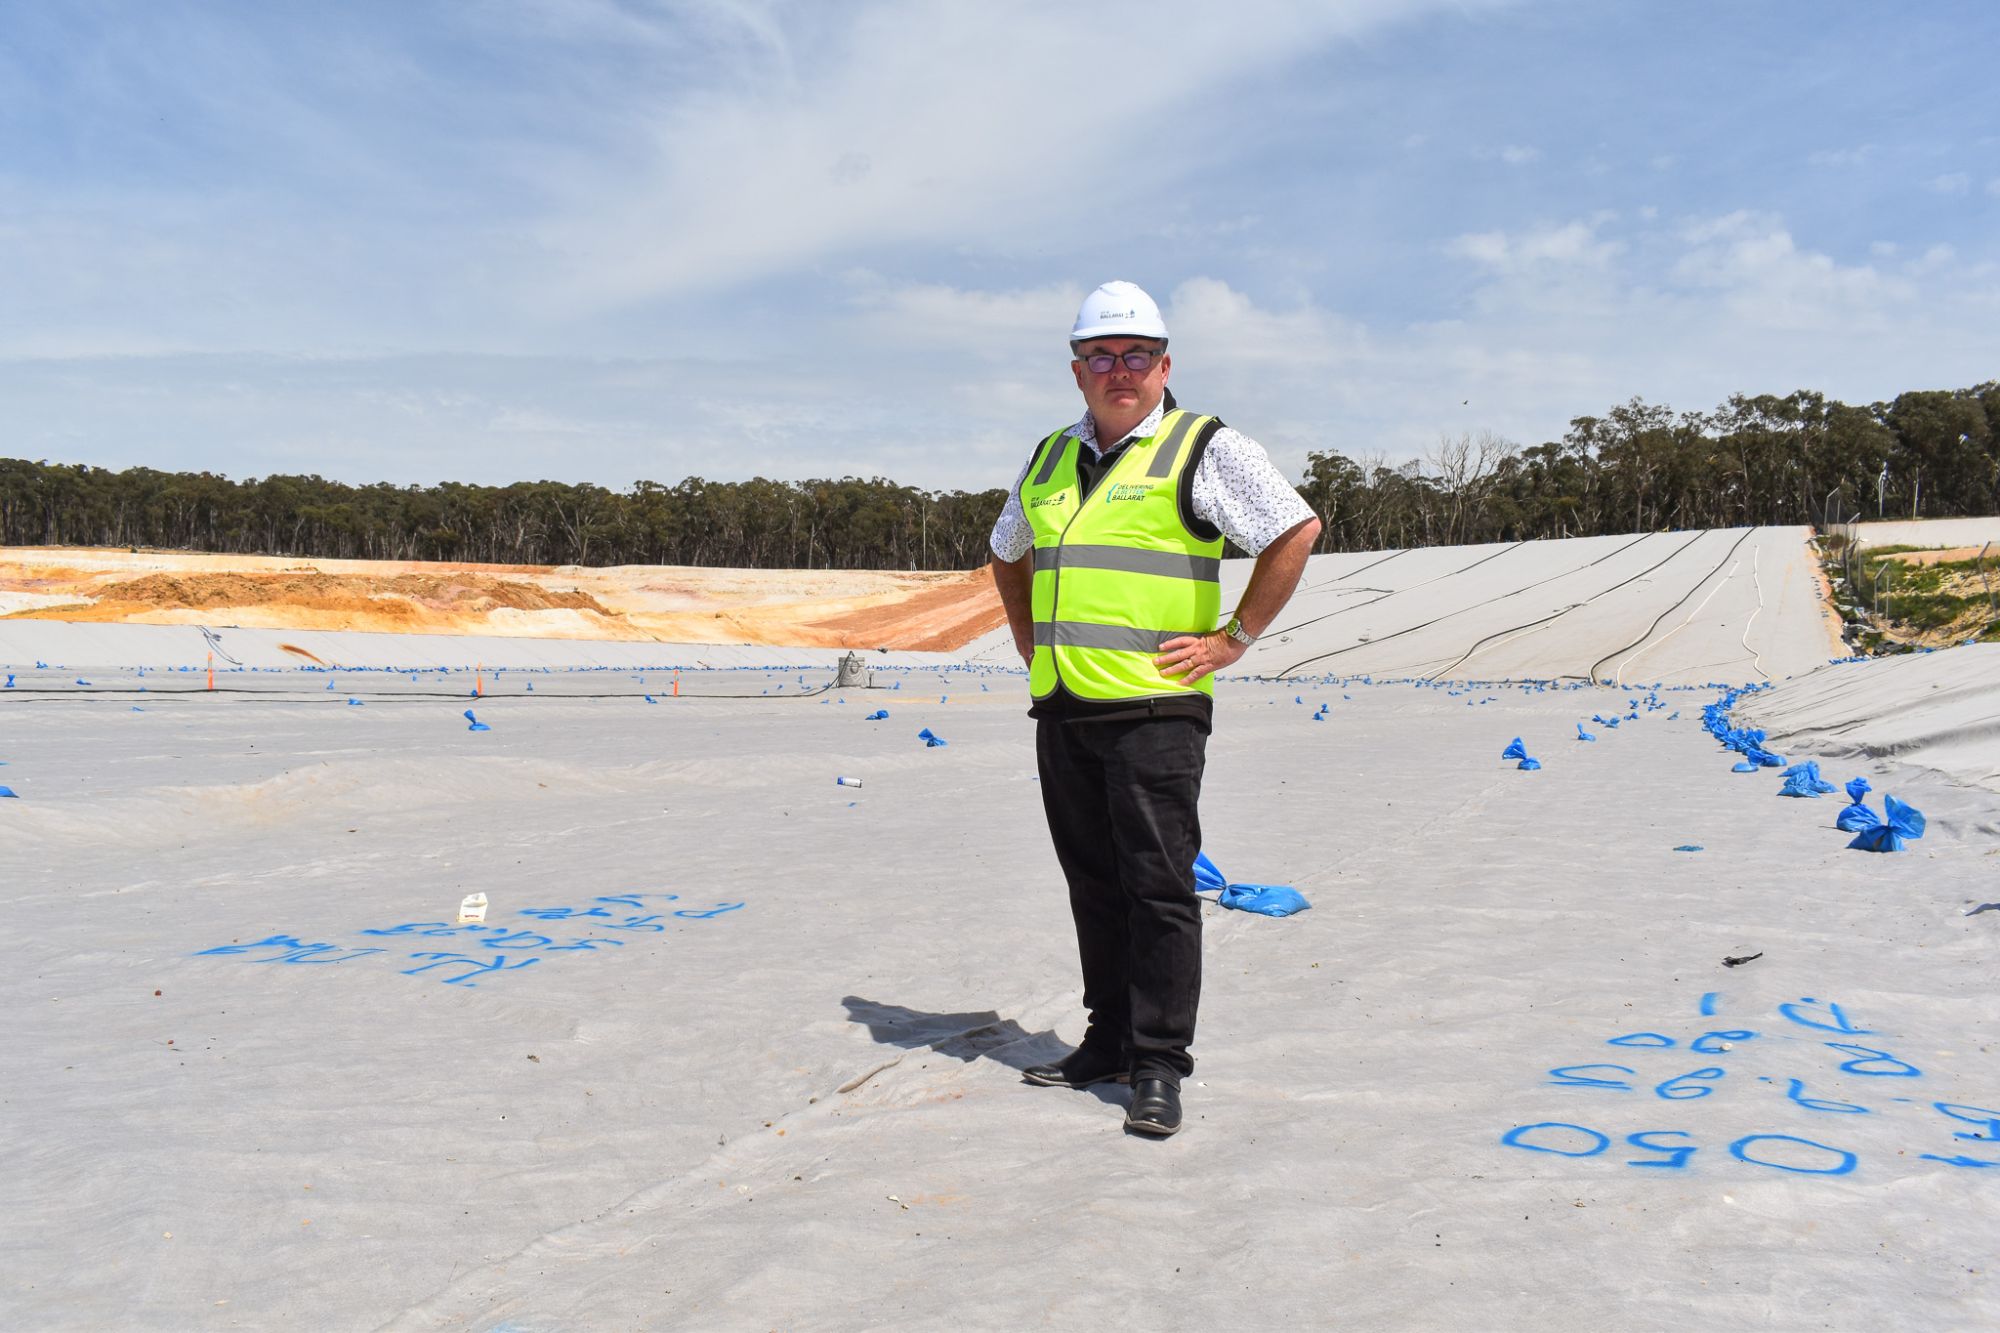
(1939,709)
(1734,605)
(806,1111)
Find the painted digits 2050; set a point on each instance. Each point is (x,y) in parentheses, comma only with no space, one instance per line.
(1654,1066)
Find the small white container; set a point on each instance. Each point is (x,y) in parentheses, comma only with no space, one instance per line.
(847,782)
(473,909)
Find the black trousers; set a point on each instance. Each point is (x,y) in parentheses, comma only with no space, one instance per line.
(1121,800)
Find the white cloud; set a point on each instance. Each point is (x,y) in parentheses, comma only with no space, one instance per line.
(1570,244)
(1519,155)
(1952,182)
(967,118)
(1842,157)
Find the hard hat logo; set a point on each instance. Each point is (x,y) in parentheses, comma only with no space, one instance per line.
(1118,310)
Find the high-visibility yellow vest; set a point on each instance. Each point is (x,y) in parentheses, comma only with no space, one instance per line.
(1117,572)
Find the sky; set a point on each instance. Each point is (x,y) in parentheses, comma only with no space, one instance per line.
(612,240)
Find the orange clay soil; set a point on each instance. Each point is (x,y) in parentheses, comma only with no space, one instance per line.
(795,608)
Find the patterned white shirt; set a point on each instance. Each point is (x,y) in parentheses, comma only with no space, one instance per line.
(1236,489)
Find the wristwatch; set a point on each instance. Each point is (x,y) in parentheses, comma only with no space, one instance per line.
(1234,629)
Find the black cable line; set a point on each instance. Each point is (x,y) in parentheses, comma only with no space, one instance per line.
(1726,555)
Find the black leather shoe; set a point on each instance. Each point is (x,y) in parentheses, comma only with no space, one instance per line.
(1156,1108)
(1081,1068)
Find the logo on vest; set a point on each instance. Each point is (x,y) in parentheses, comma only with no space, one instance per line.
(1055,499)
(1126,491)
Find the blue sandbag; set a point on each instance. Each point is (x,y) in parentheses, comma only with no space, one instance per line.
(930,739)
(1743,766)
(1515,750)
(1207,879)
(354,703)
(1856,818)
(1529,764)
(1902,822)
(477,725)
(1804,780)
(1583,735)
(9,791)
(877,715)
(1855,815)
(1264,899)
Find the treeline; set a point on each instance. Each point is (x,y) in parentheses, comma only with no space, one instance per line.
(1640,467)
(1802,458)
(757,524)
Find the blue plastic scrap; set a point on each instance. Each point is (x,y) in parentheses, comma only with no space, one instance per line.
(1263,899)
(1690,846)
(877,715)
(1902,822)
(477,725)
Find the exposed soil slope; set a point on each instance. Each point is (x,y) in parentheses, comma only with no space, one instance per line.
(802,608)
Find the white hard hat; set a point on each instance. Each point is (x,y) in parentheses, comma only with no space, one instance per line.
(1118,310)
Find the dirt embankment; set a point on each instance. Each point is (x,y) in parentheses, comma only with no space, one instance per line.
(815,608)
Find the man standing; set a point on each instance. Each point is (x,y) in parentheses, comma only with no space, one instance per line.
(1108,560)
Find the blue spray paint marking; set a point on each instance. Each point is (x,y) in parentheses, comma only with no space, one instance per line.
(1517,1137)
(1867,1055)
(1796,1090)
(1740,1150)
(290,950)
(474,967)
(1676,1154)
(494,949)
(1567,1077)
(1695,1079)
(1711,1043)
(1989,1120)
(1839,1023)
(1673,1149)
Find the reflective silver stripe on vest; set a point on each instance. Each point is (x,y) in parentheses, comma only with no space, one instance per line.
(1127,560)
(1051,456)
(1170,448)
(1083,634)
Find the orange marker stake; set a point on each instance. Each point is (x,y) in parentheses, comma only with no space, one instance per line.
(479,681)
(211,671)
(677,684)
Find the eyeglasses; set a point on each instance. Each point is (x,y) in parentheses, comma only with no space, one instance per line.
(1138,359)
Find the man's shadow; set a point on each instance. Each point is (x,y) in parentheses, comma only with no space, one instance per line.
(967,1036)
